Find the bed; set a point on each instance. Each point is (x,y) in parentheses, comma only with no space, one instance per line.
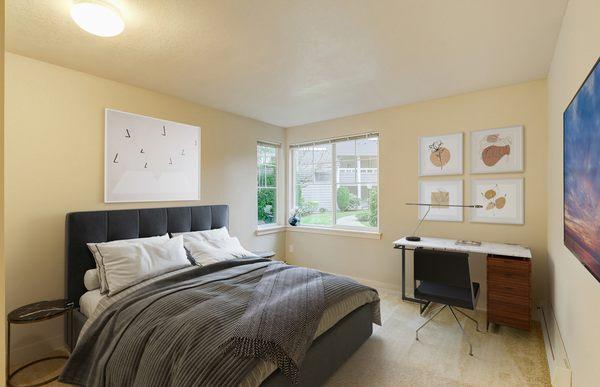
(343,336)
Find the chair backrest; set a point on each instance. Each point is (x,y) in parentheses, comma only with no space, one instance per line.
(442,267)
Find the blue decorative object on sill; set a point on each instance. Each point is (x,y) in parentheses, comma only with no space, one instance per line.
(294,220)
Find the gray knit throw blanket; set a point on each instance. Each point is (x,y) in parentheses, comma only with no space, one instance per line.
(281,318)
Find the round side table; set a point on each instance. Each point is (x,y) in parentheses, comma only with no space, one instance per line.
(36,312)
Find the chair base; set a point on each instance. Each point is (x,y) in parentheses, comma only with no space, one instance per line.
(457,321)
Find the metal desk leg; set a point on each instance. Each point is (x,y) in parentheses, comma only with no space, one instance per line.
(423,303)
(403,272)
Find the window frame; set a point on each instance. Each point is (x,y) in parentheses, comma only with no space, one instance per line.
(279,200)
(334,184)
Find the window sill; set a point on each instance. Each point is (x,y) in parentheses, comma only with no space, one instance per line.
(272,229)
(336,231)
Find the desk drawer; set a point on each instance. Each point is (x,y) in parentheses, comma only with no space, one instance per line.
(509,291)
(511,288)
(509,267)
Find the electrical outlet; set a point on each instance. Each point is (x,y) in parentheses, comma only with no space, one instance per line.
(291,248)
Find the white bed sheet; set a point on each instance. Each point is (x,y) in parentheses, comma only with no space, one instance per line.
(89,301)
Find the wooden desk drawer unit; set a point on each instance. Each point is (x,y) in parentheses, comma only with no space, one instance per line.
(509,291)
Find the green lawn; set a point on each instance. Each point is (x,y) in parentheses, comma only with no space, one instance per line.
(326,218)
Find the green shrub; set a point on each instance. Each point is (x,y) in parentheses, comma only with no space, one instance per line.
(299,198)
(373,207)
(363,216)
(354,202)
(266,205)
(343,198)
(308,207)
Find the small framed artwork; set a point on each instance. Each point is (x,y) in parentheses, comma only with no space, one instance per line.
(440,194)
(441,155)
(501,201)
(497,150)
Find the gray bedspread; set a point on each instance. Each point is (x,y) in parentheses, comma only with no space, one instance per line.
(172,331)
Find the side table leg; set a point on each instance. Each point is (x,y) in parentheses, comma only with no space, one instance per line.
(8,354)
(70,324)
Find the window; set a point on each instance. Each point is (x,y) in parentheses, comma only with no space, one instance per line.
(334,182)
(267,157)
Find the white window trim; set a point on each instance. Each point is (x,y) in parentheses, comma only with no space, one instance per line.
(264,229)
(272,228)
(365,232)
(339,231)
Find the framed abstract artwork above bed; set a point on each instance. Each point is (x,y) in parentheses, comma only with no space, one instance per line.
(150,159)
(581,122)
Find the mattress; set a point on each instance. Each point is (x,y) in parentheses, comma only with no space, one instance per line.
(89,301)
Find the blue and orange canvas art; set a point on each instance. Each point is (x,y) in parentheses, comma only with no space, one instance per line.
(581,122)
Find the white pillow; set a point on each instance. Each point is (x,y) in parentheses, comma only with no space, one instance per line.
(231,245)
(128,264)
(99,260)
(215,234)
(204,254)
(207,252)
(91,280)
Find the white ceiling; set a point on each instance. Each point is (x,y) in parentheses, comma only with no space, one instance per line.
(295,62)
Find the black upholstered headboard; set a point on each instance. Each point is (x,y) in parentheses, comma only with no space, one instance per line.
(104,226)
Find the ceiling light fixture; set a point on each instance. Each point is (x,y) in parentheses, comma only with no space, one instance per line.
(98,17)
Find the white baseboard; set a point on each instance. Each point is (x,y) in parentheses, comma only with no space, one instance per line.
(392,288)
(556,353)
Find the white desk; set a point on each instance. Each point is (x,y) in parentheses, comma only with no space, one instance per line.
(505,249)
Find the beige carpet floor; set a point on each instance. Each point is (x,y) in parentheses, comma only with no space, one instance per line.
(392,357)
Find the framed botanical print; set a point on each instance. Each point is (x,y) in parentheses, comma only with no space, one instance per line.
(501,201)
(497,150)
(440,194)
(441,155)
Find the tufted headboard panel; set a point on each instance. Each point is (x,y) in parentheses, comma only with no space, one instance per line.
(105,226)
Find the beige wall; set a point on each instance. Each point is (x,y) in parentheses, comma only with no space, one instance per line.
(574,293)
(2,271)
(54,164)
(399,128)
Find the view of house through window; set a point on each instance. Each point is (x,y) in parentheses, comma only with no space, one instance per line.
(267,158)
(335,182)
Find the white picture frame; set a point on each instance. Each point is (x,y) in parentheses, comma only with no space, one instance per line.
(149,159)
(441,155)
(434,192)
(502,201)
(497,150)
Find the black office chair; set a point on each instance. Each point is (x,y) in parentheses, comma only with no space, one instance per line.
(443,277)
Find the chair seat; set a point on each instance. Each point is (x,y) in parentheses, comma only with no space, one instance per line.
(448,295)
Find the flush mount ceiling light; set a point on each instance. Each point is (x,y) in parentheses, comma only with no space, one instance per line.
(97,17)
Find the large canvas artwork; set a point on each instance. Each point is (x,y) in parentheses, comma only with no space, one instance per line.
(149,159)
(581,122)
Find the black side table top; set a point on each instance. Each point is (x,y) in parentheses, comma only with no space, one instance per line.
(39,311)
